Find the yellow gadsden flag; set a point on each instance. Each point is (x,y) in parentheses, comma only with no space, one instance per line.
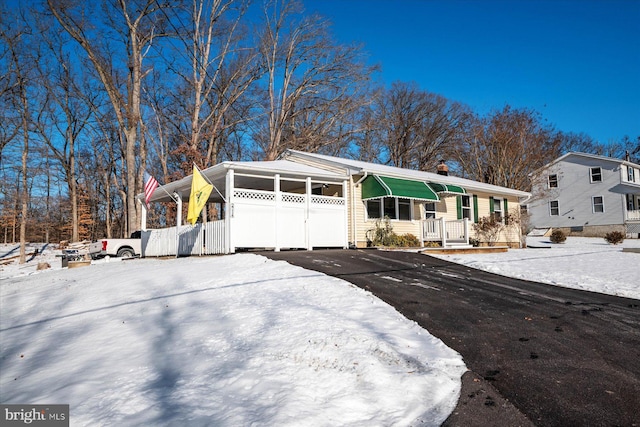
(200,190)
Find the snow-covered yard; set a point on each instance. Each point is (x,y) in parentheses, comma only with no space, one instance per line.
(583,263)
(243,340)
(227,341)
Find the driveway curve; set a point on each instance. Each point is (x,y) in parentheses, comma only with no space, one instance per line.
(538,354)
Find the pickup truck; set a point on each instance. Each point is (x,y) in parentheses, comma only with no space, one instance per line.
(117,247)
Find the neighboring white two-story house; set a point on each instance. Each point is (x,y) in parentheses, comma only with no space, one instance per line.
(587,195)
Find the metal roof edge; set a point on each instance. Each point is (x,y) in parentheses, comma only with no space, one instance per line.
(397,172)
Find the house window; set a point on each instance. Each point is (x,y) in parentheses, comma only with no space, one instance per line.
(630,203)
(553,181)
(497,209)
(466,207)
(598,204)
(630,174)
(404,209)
(373,209)
(392,207)
(596,174)
(389,207)
(554,208)
(429,210)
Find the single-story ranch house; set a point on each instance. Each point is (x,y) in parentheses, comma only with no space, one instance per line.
(305,201)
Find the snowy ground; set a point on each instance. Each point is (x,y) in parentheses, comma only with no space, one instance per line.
(583,263)
(242,340)
(228,341)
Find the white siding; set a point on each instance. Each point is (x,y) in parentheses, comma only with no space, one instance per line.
(575,194)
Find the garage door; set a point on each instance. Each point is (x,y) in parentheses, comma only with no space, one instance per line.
(261,220)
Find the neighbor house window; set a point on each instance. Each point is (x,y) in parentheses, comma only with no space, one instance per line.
(630,174)
(392,207)
(429,210)
(596,174)
(598,204)
(630,203)
(553,181)
(554,208)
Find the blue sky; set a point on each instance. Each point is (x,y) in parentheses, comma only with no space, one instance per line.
(577,62)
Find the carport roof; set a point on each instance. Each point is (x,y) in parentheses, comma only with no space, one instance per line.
(217,175)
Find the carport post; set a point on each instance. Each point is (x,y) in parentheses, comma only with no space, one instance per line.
(276,189)
(308,215)
(143,216)
(178,221)
(346,214)
(228,212)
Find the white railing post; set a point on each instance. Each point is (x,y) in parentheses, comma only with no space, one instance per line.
(466,231)
(443,232)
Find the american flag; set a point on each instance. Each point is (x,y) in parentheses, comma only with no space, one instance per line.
(150,185)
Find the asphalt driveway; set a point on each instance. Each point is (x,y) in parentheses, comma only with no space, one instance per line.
(539,354)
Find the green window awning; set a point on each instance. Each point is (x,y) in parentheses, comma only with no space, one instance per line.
(447,188)
(376,186)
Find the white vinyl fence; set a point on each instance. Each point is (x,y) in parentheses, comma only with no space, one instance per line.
(200,239)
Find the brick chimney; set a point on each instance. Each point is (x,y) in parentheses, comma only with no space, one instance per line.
(443,169)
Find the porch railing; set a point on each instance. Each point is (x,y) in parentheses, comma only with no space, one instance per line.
(446,232)
(633,215)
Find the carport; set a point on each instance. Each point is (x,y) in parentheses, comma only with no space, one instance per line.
(263,205)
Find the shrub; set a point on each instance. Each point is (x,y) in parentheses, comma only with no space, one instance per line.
(408,240)
(383,235)
(558,236)
(488,229)
(614,237)
(433,245)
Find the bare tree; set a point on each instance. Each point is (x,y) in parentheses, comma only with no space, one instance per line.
(506,146)
(15,38)
(67,112)
(220,67)
(308,80)
(137,23)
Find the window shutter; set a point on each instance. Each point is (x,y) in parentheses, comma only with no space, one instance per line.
(475,208)
(491,208)
(459,206)
(506,212)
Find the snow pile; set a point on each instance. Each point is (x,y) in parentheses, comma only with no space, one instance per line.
(228,341)
(584,263)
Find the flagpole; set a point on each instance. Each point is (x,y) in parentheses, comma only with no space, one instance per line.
(209,182)
(168,194)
